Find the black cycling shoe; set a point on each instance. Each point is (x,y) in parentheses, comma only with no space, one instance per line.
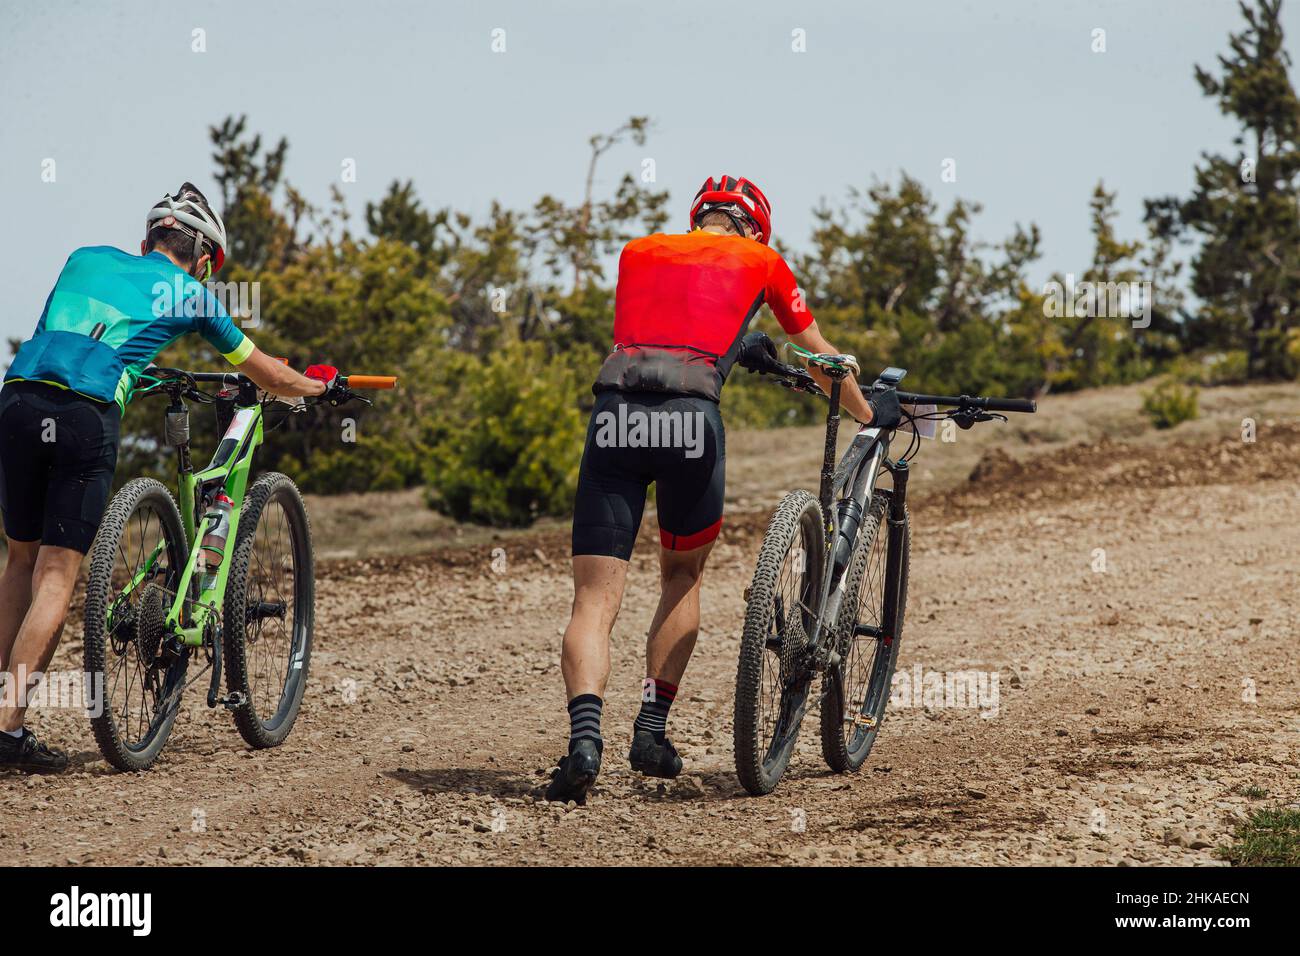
(652,759)
(576,773)
(29,755)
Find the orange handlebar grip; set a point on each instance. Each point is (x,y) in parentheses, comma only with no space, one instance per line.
(372,381)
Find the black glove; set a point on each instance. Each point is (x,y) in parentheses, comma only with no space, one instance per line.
(757,352)
(885,411)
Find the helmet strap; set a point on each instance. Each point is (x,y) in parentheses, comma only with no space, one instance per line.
(198,253)
(740,223)
(738,220)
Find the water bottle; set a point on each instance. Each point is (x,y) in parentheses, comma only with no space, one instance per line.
(214,542)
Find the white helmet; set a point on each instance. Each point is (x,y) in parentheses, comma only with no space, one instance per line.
(189,212)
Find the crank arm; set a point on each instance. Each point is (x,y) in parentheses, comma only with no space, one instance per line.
(214,687)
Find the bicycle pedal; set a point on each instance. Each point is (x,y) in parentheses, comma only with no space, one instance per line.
(233,701)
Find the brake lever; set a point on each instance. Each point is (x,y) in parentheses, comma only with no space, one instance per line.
(967,416)
(343,397)
(795,386)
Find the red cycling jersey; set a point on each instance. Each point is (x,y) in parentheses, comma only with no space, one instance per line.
(683,304)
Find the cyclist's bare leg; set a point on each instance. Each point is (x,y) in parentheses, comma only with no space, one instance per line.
(15,591)
(598,583)
(54,577)
(677,619)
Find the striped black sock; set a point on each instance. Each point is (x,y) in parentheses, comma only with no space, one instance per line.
(584,720)
(656,697)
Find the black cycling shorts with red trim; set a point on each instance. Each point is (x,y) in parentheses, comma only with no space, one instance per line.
(633,439)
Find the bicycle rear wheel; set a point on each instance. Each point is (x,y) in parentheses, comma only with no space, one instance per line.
(856,690)
(136,674)
(269,611)
(782,604)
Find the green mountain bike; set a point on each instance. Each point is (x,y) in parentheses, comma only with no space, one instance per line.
(228,574)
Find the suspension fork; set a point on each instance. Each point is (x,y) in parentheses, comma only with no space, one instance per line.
(897,521)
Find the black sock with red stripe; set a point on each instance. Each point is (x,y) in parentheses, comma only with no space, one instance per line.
(584,720)
(656,697)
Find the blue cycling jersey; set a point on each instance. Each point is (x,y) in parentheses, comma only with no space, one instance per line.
(110,314)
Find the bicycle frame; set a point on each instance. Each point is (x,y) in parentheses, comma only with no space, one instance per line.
(195,608)
(846,494)
(228,473)
(852,485)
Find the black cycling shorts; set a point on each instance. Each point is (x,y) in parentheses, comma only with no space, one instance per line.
(58,451)
(634,438)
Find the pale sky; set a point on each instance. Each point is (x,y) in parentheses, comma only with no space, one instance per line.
(1010,89)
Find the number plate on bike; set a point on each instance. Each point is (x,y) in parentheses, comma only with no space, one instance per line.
(925,427)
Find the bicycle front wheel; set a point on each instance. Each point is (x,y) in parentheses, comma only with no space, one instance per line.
(136,673)
(269,610)
(782,604)
(857,689)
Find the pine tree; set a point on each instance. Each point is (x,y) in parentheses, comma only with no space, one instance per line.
(1244,208)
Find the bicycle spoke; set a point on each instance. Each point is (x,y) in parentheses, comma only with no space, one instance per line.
(269,639)
(130,589)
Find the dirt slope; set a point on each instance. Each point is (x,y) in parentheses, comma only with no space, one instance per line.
(1140,708)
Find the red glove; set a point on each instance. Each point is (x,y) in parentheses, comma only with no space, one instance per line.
(325,374)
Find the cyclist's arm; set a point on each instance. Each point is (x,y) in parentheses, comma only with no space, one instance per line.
(786,302)
(268,374)
(851,397)
(277,378)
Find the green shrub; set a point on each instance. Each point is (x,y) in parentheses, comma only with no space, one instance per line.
(1270,838)
(509,438)
(367,463)
(1219,368)
(1170,403)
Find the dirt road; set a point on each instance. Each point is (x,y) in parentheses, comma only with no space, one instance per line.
(1137,612)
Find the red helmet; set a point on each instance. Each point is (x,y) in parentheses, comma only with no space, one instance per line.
(730,191)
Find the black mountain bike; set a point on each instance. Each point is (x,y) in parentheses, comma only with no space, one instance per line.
(829,591)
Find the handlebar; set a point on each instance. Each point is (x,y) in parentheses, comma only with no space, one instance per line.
(970,401)
(344,385)
(370,381)
(219,378)
(797,378)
